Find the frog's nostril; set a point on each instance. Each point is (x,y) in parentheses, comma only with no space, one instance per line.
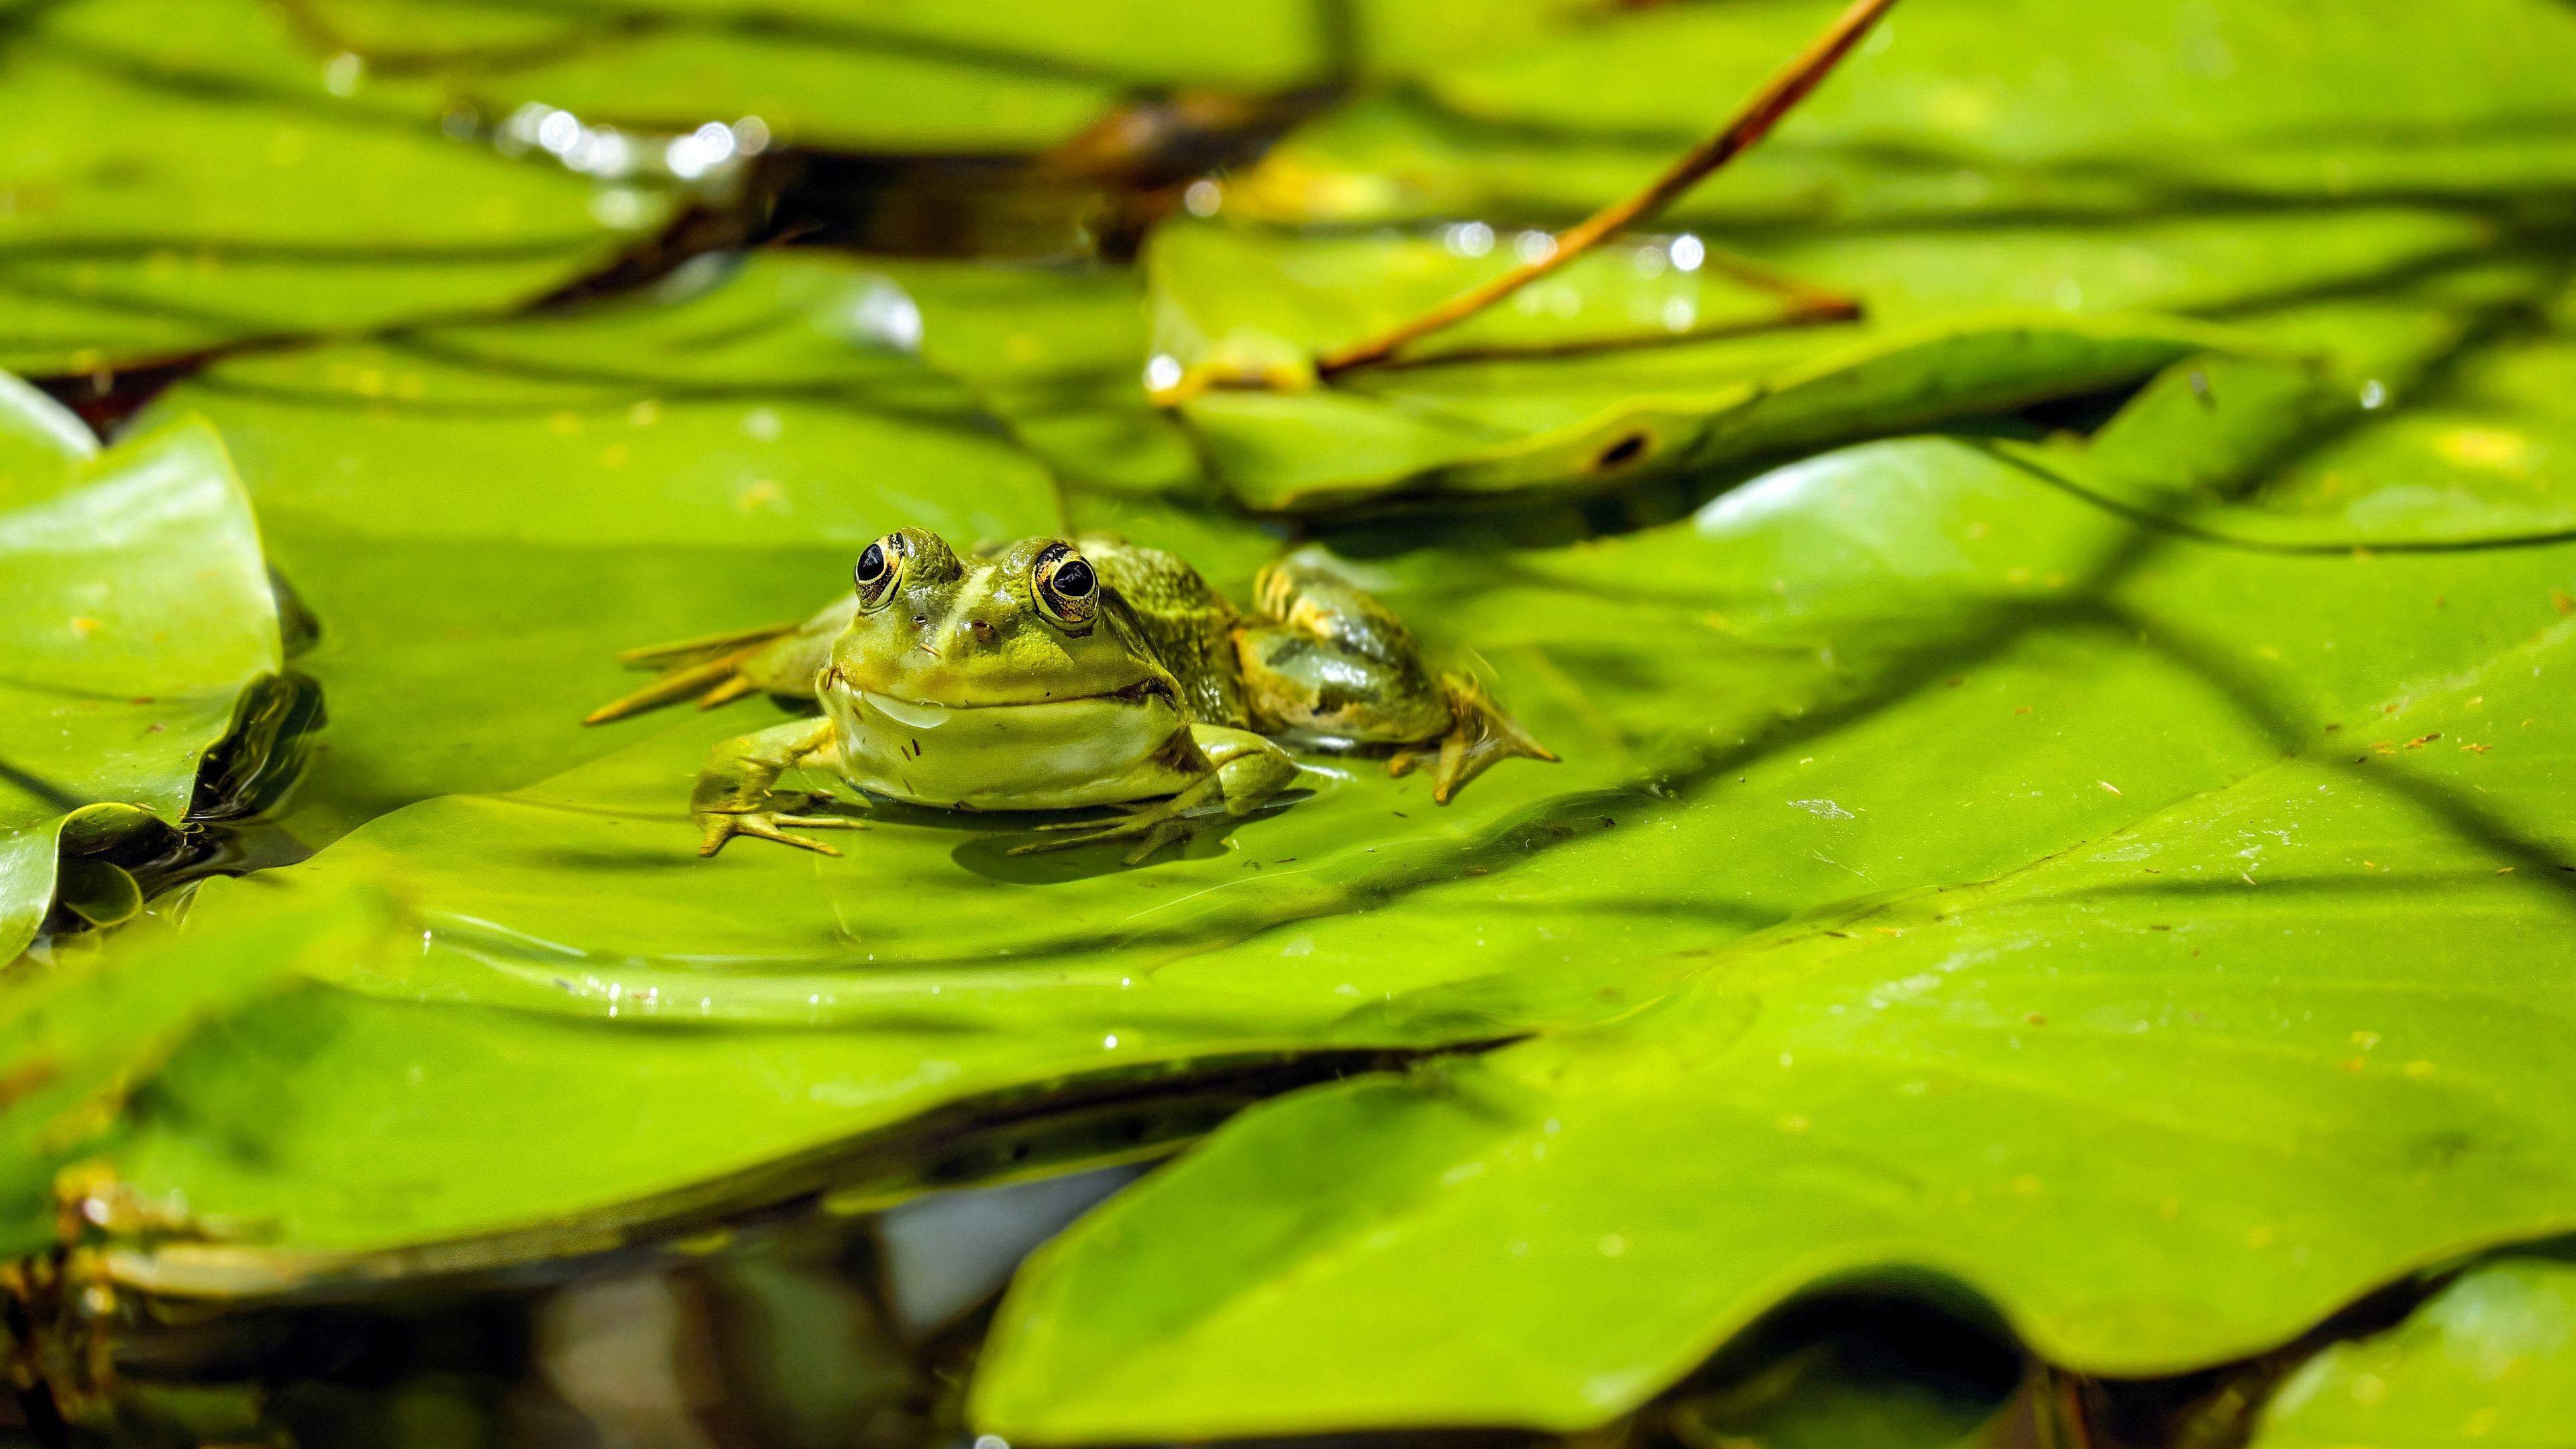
(980,630)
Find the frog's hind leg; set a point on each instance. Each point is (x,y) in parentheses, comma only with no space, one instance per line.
(1331,661)
(721,668)
(1244,771)
(709,670)
(1479,737)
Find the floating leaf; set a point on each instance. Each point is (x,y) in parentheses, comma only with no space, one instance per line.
(163,202)
(2491,1359)
(2280,927)
(81,1038)
(1951,112)
(1959,325)
(665,1032)
(1012,75)
(138,611)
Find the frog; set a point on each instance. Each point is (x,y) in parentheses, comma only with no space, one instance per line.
(1064,674)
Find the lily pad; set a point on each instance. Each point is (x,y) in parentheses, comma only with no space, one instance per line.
(139,612)
(1957,325)
(2491,1359)
(2259,1013)
(665,1033)
(1958,111)
(163,203)
(1009,76)
(82,1037)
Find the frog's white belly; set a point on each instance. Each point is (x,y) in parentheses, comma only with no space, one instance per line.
(1055,755)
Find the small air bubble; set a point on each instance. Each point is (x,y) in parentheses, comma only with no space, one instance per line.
(1162,372)
(342,75)
(1533,247)
(1688,252)
(2374,395)
(1202,198)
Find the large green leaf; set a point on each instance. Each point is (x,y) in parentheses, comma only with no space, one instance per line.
(1977,107)
(138,609)
(1958,325)
(1970,166)
(162,200)
(907,76)
(83,1037)
(663,1032)
(2170,945)
(483,516)
(2491,1359)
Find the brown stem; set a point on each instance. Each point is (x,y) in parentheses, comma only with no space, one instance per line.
(1752,122)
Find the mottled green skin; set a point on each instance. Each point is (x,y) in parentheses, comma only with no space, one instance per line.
(971,683)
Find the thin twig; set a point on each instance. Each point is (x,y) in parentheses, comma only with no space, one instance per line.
(1753,121)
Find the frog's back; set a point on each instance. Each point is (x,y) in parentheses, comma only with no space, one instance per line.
(1178,618)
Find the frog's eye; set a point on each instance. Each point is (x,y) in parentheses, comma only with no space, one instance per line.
(1068,590)
(877,571)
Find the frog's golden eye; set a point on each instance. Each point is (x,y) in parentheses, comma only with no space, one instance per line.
(879,569)
(1068,589)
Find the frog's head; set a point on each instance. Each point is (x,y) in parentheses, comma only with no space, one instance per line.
(1022,626)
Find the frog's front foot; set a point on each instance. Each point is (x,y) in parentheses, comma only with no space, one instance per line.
(762,819)
(1480,737)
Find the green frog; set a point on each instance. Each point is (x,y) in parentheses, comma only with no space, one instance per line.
(1065,673)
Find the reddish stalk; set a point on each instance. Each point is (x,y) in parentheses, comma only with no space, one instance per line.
(1753,120)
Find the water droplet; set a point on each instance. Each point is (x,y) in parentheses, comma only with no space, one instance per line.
(557,131)
(1688,252)
(1533,247)
(1469,238)
(1162,372)
(751,135)
(887,316)
(2374,395)
(342,75)
(701,151)
(1202,198)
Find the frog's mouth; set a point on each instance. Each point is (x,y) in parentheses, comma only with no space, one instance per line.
(925,715)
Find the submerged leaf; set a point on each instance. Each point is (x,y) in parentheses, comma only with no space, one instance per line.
(2491,1359)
